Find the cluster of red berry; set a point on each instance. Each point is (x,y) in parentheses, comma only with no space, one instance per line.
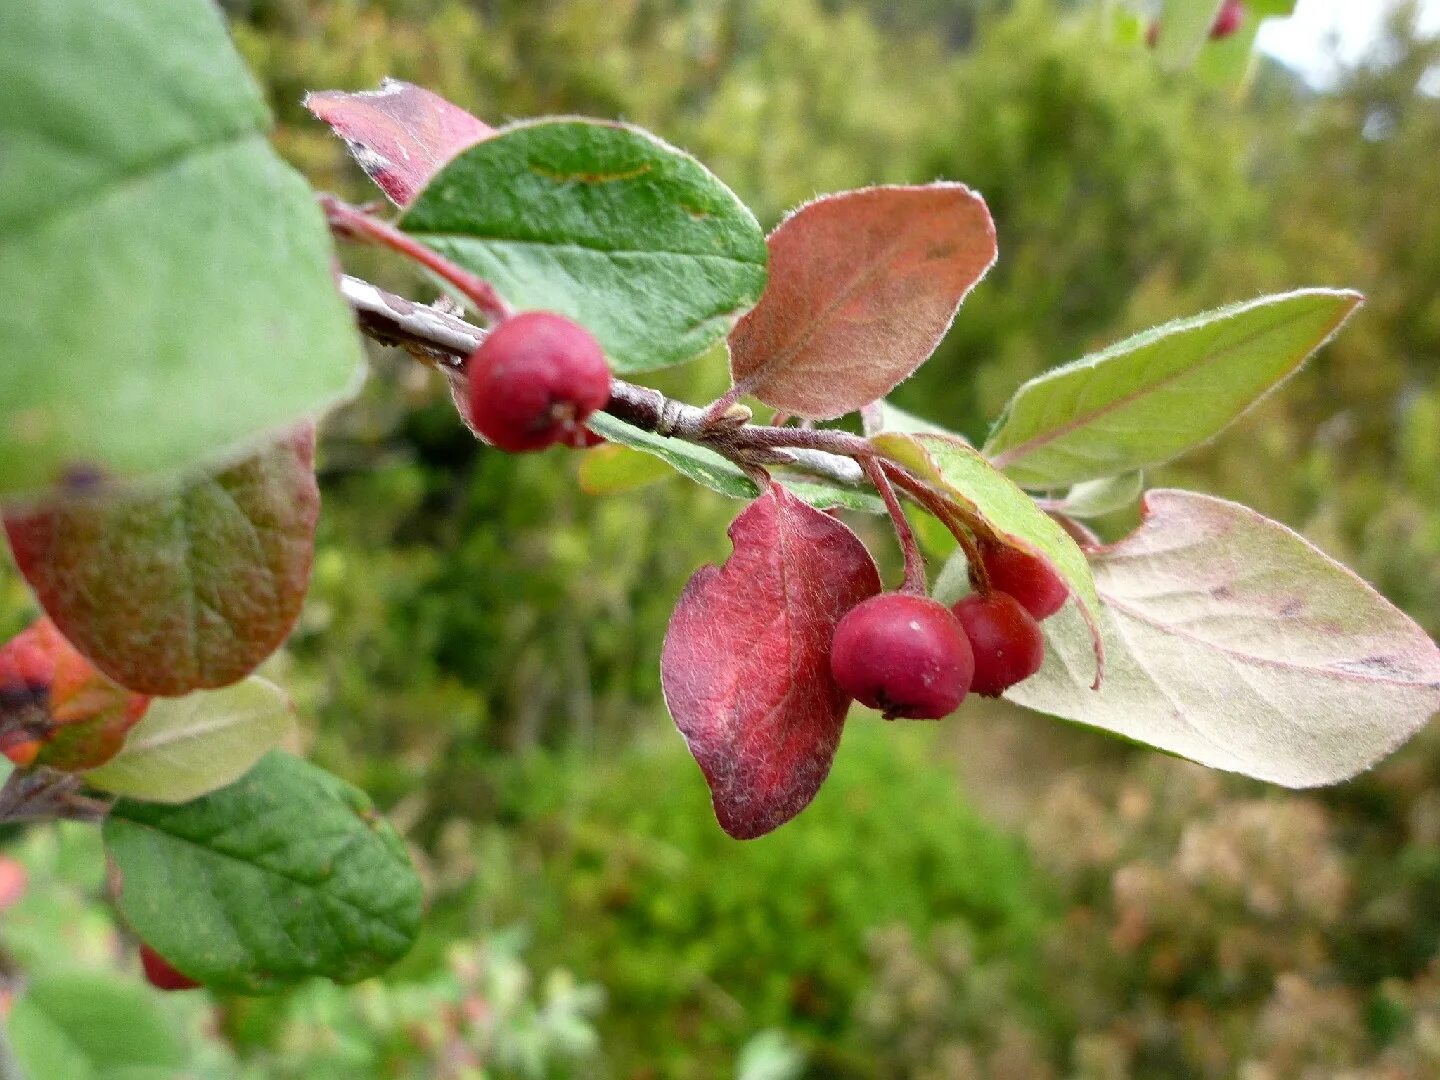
(910,656)
(538,376)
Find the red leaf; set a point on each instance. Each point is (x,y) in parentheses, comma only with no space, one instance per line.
(56,709)
(181,588)
(863,285)
(746,662)
(400,134)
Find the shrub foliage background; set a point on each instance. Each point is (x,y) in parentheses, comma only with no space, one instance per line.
(997,898)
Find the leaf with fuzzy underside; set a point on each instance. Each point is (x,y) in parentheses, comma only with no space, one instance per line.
(1235,643)
(187,747)
(185,586)
(400,134)
(863,285)
(1153,396)
(746,661)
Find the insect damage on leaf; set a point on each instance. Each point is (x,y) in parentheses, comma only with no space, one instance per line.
(746,662)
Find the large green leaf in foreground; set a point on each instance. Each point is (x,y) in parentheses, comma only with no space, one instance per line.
(1155,395)
(286,874)
(166,277)
(606,224)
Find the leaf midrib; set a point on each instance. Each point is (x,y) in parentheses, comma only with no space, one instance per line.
(1010,455)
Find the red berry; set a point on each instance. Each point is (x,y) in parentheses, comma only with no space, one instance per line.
(904,655)
(1005,639)
(161,975)
(1229,20)
(534,380)
(1152,33)
(1029,580)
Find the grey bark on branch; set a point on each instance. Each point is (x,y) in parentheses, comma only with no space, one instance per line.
(444,341)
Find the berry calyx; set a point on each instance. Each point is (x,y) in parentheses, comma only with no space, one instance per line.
(1005,640)
(903,654)
(1029,580)
(1229,20)
(161,975)
(533,382)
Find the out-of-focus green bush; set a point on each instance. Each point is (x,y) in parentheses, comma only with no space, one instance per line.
(699,941)
(1212,928)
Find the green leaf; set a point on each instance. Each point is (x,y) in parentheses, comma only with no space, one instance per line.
(167,278)
(882,416)
(604,223)
(1184,29)
(287,874)
(1096,498)
(1157,394)
(963,474)
(705,467)
(719,474)
(185,585)
(83,1026)
(1230,640)
(186,747)
(612,469)
(824,495)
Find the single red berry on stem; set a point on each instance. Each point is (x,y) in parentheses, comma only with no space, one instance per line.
(904,655)
(161,975)
(1229,20)
(1029,580)
(1005,639)
(534,380)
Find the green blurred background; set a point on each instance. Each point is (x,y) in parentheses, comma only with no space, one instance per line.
(999,895)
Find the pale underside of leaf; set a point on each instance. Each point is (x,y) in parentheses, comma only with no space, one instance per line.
(185,747)
(1234,642)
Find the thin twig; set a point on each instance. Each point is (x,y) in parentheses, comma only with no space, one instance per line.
(353,223)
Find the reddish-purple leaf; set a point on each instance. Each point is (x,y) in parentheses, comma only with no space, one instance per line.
(863,285)
(746,662)
(183,587)
(400,134)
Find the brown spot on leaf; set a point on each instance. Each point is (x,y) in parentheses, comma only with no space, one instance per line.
(590,178)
